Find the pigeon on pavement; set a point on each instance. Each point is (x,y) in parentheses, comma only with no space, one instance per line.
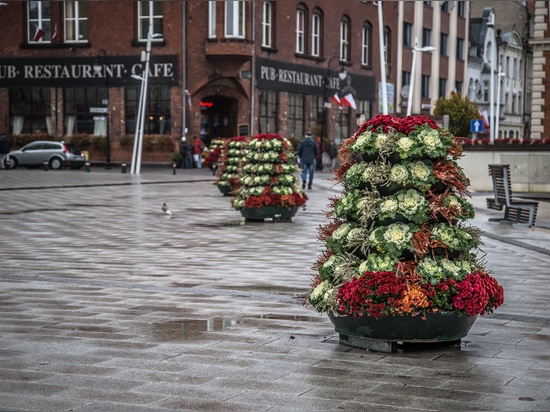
(165,209)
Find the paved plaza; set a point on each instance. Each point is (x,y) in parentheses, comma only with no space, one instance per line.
(107,304)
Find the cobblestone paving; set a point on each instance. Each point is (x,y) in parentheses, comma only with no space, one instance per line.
(108,304)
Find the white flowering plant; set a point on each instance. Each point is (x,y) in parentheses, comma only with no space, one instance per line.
(397,243)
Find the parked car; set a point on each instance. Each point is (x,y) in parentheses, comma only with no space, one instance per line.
(57,154)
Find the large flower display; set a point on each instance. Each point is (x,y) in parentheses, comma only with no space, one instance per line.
(398,242)
(230,165)
(268,175)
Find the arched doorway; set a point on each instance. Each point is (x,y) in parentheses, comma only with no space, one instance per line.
(218,117)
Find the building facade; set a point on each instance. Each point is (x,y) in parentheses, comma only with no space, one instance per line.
(223,68)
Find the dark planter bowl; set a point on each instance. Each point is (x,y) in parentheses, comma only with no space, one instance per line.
(277,213)
(434,327)
(225,189)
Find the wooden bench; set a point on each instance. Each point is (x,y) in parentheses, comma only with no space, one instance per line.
(517,211)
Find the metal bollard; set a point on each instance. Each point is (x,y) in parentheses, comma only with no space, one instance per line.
(87,167)
(174,168)
(123,167)
(45,165)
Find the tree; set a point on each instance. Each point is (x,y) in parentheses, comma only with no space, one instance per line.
(460,111)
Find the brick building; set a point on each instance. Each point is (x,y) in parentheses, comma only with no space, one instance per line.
(220,68)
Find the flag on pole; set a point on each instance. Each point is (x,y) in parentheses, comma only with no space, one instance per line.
(54,35)
(348,100)
(337,100)
(39,34)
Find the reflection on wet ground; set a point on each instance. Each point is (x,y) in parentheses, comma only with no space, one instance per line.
(193,329)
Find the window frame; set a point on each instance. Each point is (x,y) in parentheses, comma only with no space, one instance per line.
(235,22)
(79,19)
(460,49)
(425,87)
(301,14)
(316,32)
(426,37)
(212,19)
(150,18)
(42,21)
(345,39)
(366,42)
(267,24)
(407,34)
(444,44)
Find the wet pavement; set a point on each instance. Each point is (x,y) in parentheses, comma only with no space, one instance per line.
(108,304)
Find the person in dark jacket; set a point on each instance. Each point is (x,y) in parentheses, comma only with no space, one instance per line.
(186,156)
(5,146)
(307,152)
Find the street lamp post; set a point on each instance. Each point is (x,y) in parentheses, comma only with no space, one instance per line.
(98,69)
(342,74)
(140,121)
(415,50)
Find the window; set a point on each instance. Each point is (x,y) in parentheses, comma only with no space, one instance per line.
(211,19)
(445,6)
(486,90)
(77,103)
(342,123)
(38,22)
(428,3)
(405,79)
(407,34)
(461,8)
(149,15)
(300,30)
(234,19)
(387,51)
(345,39)
(366,40)
(316,119)
(157,110)
(30,110)
(443,44)
(295,124)
(76,21)
(442,87)
(460,49)
(426,37)
(268,115)
(425,86)
(267,24)
(458,87)
(316,30)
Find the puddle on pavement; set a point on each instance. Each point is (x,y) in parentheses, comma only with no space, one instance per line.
(193,329)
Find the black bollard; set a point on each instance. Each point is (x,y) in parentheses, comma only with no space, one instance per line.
(45,165)
(87,167)
(123,167)
(173,168)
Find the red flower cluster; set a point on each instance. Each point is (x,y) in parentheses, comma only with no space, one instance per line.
(404,125)
(478,294)
(380,294)
(271,199)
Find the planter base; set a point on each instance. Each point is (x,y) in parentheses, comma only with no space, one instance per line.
(277,213)
(383,335)
(225,190)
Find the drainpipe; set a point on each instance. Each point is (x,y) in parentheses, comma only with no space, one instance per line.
(253,70)
(184,70)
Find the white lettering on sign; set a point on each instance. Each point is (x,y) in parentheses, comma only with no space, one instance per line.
(8,72)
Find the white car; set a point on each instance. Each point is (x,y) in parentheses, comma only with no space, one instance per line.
(56,154)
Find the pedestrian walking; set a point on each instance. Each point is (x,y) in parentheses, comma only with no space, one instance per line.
(307,152)
(319,157)
(185,151)
(198,147)
(5,146)
(333,154)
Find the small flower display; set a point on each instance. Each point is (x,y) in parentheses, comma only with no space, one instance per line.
(268,175)
(230,165)
(215,154)
(398,242)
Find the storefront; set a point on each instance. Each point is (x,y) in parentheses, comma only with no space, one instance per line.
(294,99)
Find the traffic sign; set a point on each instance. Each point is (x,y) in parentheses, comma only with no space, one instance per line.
(476,126)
